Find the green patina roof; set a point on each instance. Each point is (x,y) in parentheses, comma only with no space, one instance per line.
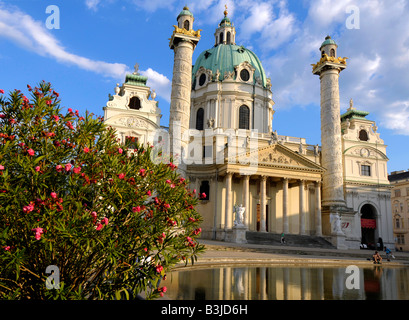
(354,114)
(225,22)
(327,41)
(225,57)
(185,12)
(136,79)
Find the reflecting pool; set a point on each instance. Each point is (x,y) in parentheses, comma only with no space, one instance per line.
(288,283)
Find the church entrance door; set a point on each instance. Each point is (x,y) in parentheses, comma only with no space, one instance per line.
(368,226)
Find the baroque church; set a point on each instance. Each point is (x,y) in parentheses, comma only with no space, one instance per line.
(256,181)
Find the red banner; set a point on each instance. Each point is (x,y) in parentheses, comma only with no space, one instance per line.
(368,223)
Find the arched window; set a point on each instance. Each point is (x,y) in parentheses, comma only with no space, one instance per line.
(228,37)
(200,119)
(332,53)
(244,118)
(363,135)
(221,37)
(134,103)
(322,53)
(186,25)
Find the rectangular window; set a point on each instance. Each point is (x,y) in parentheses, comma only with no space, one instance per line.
(397,193)
(397,223)
(207,151)
(401,239)
(365,170)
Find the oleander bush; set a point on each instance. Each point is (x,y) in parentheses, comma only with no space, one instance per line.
(108,220)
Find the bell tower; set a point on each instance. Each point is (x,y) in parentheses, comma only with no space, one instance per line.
(334,206)
(183,42)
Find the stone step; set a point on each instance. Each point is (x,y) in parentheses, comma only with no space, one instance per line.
(291,240)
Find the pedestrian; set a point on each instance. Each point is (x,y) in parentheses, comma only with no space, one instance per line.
(389,254)
(283,239)
(377,259)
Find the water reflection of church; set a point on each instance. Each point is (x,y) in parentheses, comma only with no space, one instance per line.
(287,283)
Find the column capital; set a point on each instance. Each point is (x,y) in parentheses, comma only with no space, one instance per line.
(264,178)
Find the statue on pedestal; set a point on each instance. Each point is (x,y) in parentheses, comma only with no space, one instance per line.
(239,215)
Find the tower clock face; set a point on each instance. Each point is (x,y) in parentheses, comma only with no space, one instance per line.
(364,153)
(244,75)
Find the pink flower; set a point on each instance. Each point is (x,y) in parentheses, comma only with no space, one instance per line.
(105,220)
(28,208)
(37,168)
(86,150)
(168,181)
(120,150)
(77,170)
(7,248)
(1,167)
(49,102)
(53,195)
(136,209)
(58,167)
(1,91)
(56,118)
(30,152)
(142,172)
(38,232)
(68,167)
(121,175)
(149,193)
(99,226)
(159,269)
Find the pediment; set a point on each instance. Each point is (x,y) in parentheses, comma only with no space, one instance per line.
(365,151)
(277,155)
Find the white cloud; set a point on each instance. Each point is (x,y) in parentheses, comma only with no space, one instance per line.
(92,4)
(22,29)
(160,83)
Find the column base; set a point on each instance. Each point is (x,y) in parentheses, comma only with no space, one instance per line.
(331,224)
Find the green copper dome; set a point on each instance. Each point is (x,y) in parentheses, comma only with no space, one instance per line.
(225,57)
(185,12)
(328,41)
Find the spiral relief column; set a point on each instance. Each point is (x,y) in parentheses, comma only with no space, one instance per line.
(333,201)
(183,42)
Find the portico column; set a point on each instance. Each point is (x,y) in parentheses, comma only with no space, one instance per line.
(263,204)
(285,205)
(318,223)
(246,204)
(229,208)
(302,209)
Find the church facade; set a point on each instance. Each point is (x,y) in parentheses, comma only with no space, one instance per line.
(221,133)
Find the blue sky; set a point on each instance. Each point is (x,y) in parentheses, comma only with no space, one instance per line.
(98,41)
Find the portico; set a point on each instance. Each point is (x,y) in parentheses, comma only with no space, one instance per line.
(281,194)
